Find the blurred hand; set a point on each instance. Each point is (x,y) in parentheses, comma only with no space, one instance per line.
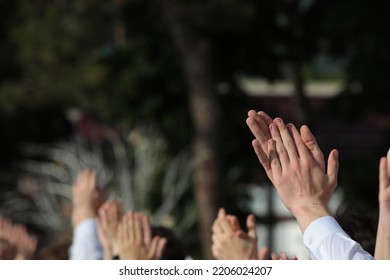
(232,243)
(87,197)
(135,239)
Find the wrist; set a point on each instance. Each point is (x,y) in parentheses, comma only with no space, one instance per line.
(81,214)
(308,211)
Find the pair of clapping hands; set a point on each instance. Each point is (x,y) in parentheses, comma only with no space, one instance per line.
(127,236)
(295,165)
(124,236)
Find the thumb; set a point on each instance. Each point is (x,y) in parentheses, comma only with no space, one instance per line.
(312,145)
(333,167)
(263,253)
(251,225)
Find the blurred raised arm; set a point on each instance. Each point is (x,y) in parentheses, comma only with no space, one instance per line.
(382,245)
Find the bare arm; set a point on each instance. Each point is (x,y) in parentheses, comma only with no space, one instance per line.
(382,246)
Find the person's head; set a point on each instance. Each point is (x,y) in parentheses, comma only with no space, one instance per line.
(174,248)
(359,220)
(7,250)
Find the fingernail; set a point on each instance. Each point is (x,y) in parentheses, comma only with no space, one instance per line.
(278,121)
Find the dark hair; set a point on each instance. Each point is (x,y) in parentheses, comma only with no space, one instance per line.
(360,221)
(174,248)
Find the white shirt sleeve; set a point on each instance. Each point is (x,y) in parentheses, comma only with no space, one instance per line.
(86,244)
(326,240)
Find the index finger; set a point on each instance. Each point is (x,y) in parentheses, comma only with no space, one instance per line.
(259,123)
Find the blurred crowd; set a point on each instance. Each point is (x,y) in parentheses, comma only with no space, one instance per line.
(305,182)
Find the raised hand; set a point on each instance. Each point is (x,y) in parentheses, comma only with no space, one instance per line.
(274,256)
(26,244)
(7,249)
(20,242)
(259,124)
(135,239)
(109,217)
(232,243)
(382,247)
(87,196)
(301,181)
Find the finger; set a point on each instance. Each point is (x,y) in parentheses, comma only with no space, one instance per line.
(215,252)
(80,178)
(156,248)
(147,231)
(287,140)
(388,164)
(251,226)
(111,215)
(264,118)
(130,226)
(104,217)
(215,238)
(302,149)
(92,179)
(313,147)
(263,253)
(216,228)
(153,248)
(160,247)
(274,256)
(383,178)
(333,167)
(267,119)
(241,234)
(274,160)
(120,233)
(223,222)
(283,256)
(262,156)
(137,228)
(259,128)
(280,148)
(233,221)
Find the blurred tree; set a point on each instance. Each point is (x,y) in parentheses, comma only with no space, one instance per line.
(49,62)
(178,64)
(357,33)
(56,54)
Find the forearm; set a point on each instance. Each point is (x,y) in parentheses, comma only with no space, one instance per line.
(382,245)
(80,214)
(307,212)
(386,249)
(380,241)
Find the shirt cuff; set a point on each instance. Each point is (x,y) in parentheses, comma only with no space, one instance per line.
(319,229)
(86,228)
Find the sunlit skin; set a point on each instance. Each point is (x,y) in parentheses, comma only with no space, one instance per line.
(295,165)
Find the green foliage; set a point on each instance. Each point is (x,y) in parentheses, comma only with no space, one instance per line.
(60,54)
(56,54)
